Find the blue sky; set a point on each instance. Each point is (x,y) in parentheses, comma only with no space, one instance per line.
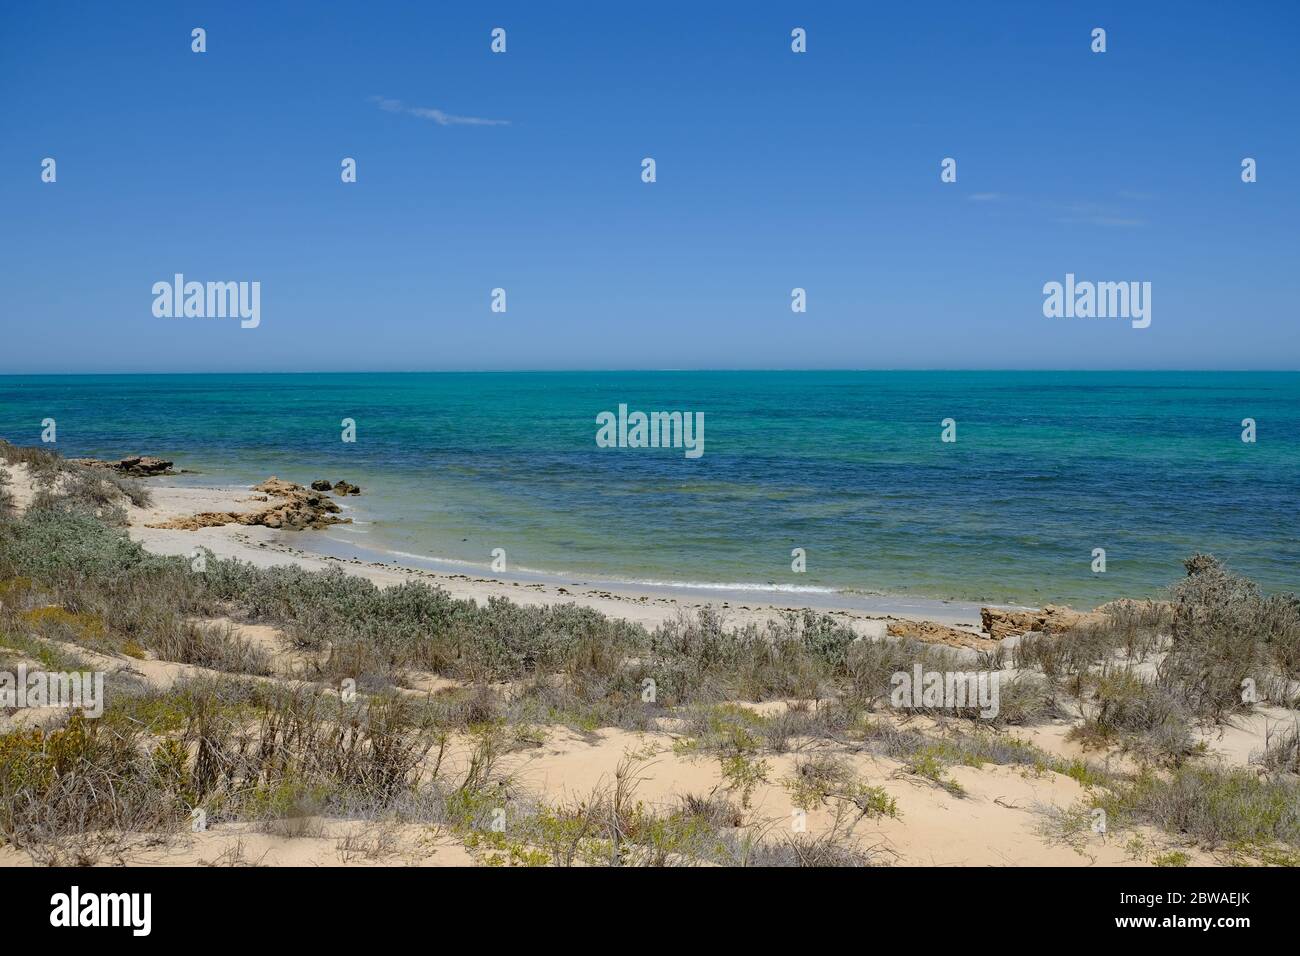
(775,170)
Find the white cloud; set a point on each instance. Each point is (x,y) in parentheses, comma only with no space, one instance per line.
(1104,220)
(1097,214)
(1074,212)
(438,116)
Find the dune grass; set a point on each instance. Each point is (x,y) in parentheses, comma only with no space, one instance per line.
(71,580)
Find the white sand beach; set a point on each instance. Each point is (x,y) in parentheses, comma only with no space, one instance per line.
(266,547)
(984,814)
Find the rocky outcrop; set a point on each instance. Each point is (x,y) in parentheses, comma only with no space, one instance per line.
(933,633)
(999,623)
(292,508)
(339,487)
(134,466)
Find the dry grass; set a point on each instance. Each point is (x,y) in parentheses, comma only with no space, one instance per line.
(283,757)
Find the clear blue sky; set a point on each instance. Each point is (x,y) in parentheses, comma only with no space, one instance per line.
(775,170)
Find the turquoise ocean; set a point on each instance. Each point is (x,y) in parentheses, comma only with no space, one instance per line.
(849,466)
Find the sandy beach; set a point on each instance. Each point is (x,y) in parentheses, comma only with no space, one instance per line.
(982,814)
(266,547)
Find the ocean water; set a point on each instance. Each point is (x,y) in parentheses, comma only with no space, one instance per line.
(849,466)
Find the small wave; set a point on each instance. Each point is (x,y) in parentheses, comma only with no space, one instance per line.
(597,578)
(712,586)
(431,558)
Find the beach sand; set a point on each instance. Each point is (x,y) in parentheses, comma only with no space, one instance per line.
(1001,816)
(266,547)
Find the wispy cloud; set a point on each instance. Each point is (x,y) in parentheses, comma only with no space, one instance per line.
(1105,221)
(1080,212)
(1096,214)
(438,116)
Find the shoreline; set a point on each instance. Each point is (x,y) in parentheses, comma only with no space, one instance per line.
(370,535)
(645,604)
(1005,795)
(775,597)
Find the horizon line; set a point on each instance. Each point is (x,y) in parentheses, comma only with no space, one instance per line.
(562,371)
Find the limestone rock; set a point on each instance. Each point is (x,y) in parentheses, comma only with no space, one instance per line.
(133,466)
(933,633)
(999,623)
(294,508)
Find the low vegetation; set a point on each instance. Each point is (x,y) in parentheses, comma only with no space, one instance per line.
(263,746)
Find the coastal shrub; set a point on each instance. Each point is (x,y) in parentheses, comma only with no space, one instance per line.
(691,660)
(65,546)
(872,665)
(90,490)
(8,506)
(1066,658)
(1046,652)
(699,659)
(162,711)
(1223,634)
(786,729)
(131,489)
(1215,807)
(1135,629)
(65,791)
(1139,626)
(954,744)
(51,656)
(218,647)
(289,593)
(612,826)
(826,639)
(928,763)
(778,669)
(819,779)
(833,847)
(886,739)
(1281,749)
(37,458)
(417,625)
(105,590)
(1143,715)
(98,488)
(1023,698)
(504,640)
(306,744)
(1280,623)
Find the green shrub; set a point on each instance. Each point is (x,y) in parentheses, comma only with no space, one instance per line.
(1214,807)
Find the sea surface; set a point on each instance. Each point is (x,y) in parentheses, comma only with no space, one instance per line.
(849,466)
